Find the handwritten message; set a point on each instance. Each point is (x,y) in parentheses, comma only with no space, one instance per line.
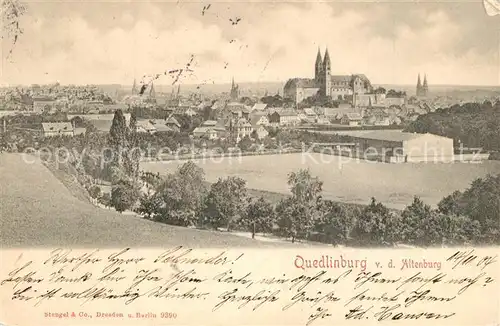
(315,288)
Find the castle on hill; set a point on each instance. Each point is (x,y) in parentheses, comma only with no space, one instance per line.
(326,84)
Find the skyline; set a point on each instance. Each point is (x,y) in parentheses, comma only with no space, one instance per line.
(111,43)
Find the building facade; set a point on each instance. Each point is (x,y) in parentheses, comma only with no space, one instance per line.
(326,84)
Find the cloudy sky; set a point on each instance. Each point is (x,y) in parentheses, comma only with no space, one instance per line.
(104,42)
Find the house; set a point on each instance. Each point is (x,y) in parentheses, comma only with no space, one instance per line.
(261,131)
(145,126)
(323,120)
(185,111)
(351,119)
(288,118)
(43,104)
(310,114)
(51,129)
(172,123)
(160,125)
(242,128)
(205,132)
(259,119)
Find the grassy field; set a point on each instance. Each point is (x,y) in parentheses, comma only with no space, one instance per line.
(355,182)
(39,210)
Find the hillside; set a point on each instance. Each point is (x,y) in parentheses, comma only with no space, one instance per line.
(38,210)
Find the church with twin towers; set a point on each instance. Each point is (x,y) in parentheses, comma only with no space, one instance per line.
(326,84)
(422,89)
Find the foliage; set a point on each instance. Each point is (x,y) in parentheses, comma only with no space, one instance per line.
(225,202)
(124,195)
(150,205)
(245,143)
(259,216)
(182,195)
(375,226)
(394,93)
(188,124)
(334,223)
(319,100)
(480,202)
(95,192)
(380,90)
(471,124)
(105,199)
(298,213)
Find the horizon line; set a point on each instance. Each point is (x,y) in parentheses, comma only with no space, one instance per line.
(224,83)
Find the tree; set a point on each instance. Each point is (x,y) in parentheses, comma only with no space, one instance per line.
(149,205)
(134,154)
(450,205)
(259,217)
(375,226)
(334,223)
(95,192)
(245,144)
(105,199)
(118,137)
(182,195)
(124,195)
(225,202)
(298,213)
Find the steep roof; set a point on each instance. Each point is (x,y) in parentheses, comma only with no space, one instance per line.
(341,78)
(353,116)
(173,121)
(259,107)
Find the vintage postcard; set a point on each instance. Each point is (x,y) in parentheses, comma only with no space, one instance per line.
(250,163)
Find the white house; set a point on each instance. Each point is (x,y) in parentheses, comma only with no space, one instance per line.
(351,119)
(51,129)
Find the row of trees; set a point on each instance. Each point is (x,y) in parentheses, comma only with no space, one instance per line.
(472,124)
(183,198)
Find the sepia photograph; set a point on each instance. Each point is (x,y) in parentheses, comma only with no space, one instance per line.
(260,163)
(338,124)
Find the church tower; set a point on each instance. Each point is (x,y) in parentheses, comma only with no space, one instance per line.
(425,87)
(318,68)
(326,85)
(134,88)
(419,86)
(234,92)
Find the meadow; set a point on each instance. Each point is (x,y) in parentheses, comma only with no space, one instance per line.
(39,208)
(354,182)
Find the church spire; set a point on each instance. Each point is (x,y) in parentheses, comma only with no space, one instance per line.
(419,83)
(319,61)
(326,60)
(134,87)
(318,67)
(425,81)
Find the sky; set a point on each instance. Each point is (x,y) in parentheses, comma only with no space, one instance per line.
(113,42)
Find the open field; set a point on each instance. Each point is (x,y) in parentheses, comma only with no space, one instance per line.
(355,182)
(38,210)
